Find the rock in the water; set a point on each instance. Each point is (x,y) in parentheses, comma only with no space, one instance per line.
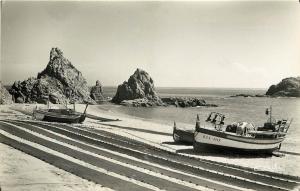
(249,95)
(5,97)
(60,82)
(97,92)
(186,102)
(143,102)
(139,86)
(288,87)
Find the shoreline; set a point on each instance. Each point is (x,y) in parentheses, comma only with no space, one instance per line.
(159,136)
(219,178)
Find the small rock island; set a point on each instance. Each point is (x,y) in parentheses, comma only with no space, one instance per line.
(96,92)
(139,90)
(288,87)
(187,102)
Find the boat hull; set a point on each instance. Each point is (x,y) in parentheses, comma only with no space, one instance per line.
(182,136)
(216,140)
(54,117)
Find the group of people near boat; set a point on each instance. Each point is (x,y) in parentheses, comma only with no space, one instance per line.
(243,128)
(240,128)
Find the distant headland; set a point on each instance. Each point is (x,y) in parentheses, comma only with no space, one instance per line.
(288,87)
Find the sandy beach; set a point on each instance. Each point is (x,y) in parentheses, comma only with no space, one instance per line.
(17,171)
(150,95)
(20,171)
(151,133)
(287,164)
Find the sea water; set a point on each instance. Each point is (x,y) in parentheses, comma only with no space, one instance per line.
(250,109)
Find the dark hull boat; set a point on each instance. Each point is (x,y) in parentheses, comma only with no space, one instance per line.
(183,135)
(59,115)
(239,136)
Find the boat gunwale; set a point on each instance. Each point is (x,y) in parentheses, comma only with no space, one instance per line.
(59,115)
(216,147)
(238,138)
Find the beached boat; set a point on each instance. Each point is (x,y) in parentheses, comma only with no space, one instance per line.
(60,115)
(183,135)
(240,136)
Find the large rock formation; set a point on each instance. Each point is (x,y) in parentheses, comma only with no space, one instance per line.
(96,92)
(5,97)
(60,82)
(139,87)
(288,87)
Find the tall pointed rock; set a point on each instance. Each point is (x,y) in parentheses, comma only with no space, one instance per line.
(59,82)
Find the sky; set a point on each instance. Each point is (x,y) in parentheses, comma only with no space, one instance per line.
(234,44)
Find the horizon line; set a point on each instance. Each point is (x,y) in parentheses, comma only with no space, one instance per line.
(207,87)
(180,87)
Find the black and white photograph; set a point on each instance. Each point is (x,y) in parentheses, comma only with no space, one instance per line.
(150,95)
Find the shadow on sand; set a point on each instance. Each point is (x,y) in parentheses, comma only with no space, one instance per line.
(224,153)
(176,143)
(290,153)
(135,129)
(101,119)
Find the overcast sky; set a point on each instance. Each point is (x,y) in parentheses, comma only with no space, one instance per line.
(181,44)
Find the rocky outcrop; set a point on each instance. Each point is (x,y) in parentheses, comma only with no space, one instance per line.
(5,97)
(186,102)
(249,95)
(96,92)
(143,102)
(288,87)
(139,87)
(139,91)
(60,82)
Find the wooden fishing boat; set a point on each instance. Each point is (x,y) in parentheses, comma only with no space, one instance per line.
(60,115)
(183,135)
(241,136)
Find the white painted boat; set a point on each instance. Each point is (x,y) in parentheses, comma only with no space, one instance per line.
(213,138)
(244,137)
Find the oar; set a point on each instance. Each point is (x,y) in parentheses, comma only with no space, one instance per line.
(85,108)
(288,126)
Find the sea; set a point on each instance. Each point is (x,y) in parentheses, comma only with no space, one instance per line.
(250,109)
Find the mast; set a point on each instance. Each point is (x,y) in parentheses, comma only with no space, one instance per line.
(288,126)
(197,123)
(48,103)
